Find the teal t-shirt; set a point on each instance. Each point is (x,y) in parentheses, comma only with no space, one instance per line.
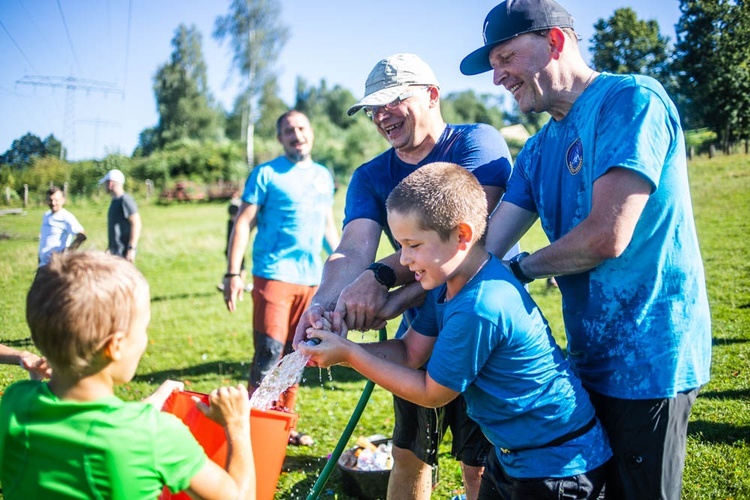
(106,448)
(294,200)
(639,325)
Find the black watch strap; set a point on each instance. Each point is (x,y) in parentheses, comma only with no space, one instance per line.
(384,274)
(515,267)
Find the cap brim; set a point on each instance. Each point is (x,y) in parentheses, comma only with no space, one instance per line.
(103,180)
(478,61)
(379,98)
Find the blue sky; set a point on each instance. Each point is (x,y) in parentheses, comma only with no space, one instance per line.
(89,42)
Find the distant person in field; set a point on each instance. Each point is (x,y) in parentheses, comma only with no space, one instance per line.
(72,437)
(123,220)
(60,230)
(290,201)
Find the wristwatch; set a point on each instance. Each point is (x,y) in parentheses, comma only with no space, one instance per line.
(383,274)
(515,267)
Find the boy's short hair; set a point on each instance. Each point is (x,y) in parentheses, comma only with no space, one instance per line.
(52,190)
(441,195)
(76,302)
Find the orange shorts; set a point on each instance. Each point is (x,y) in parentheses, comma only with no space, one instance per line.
(278,307)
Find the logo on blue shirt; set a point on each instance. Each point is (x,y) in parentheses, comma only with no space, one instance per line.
(574,157)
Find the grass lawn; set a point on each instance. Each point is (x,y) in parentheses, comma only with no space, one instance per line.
(193,338)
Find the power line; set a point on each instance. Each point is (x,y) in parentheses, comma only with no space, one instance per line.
(18,47)
(71,84)
(70,40)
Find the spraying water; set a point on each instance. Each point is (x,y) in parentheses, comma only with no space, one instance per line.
(285,374)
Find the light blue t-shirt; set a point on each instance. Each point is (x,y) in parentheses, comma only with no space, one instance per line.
(294,200)
(494,346)
(638,326)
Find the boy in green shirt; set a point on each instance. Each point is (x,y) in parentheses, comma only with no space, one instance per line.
(72,437)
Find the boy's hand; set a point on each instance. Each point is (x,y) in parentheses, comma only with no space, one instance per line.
(228,406)
(333,349)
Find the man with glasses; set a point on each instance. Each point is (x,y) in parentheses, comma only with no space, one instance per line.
(402,98)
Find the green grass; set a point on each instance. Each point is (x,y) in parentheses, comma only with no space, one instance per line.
(193,338)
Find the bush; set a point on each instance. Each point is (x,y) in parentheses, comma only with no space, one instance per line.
(700,139)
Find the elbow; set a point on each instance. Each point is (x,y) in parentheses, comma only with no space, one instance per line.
(609,248)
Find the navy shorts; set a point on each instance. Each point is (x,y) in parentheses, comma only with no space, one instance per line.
(421,431)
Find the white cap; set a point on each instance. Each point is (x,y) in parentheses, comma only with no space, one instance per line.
(391,77)
(113,175)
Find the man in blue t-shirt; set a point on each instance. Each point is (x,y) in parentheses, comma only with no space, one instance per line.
(290,201)
(402,98)
(607,177)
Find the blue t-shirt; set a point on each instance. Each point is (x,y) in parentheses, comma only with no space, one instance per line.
(479,148)
(638,326)
(516,381)
(294,201)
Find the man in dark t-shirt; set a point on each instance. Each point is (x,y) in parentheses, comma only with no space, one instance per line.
(123,219)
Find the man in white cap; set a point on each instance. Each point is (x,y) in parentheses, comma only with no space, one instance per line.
(607,177)
(123,220)
(402,98)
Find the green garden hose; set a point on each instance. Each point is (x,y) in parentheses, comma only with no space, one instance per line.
(348,430)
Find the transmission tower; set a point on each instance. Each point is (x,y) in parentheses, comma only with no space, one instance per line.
(70,84)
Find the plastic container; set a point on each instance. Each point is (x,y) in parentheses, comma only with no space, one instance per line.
(269,434)
(361,483)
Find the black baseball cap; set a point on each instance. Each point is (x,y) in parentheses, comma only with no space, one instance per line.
(510,19)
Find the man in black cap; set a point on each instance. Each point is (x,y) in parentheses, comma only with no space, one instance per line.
(607,176)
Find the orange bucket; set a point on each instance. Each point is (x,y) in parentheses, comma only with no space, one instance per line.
(269,434)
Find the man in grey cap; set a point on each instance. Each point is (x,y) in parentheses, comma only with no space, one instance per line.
(402,98)
(123,220)
(607,176)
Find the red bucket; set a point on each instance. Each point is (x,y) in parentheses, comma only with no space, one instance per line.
(269,434)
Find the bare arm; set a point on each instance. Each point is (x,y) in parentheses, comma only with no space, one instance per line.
(618,200)
(332,239)
(388,364)
(135,235)
(359,243)
(247,218)
(230,408)
(35,365)
(80,238)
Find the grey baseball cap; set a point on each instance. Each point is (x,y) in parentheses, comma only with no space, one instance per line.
(510,19)
(390,78)
(114,175)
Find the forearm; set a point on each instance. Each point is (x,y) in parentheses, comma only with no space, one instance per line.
(80,238)
(403,381)
(135,230)
(237,246)
(240,461)
(342,267)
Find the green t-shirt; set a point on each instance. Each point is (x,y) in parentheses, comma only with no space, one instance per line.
(100,449)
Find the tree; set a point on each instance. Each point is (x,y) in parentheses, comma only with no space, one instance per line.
(185,104)
(257,36)
(712,55)
(23,151)
(625,44)
(468,107)
(53,147)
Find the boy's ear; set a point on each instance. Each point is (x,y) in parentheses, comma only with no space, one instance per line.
(465,233)
(113,347)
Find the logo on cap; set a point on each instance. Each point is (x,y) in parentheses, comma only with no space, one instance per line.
(574,157)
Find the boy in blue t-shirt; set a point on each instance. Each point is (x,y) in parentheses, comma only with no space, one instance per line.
(72,437)
(494,346)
